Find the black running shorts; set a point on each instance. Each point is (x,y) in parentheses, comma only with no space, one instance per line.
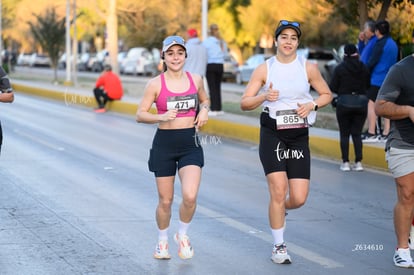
(174,149)
(284,150)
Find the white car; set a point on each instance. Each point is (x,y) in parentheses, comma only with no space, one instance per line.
(230,68)
(321,57)
(138,61)
(39,60)
(245,71)
(97,62)
(23,59)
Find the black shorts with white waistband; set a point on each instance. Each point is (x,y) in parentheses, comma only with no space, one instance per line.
(174,149)
(284,150)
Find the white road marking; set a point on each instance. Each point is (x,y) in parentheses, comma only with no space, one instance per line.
(298,250)
(38,140)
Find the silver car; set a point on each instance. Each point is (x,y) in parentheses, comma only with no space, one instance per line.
(138,61)
(321,57)
(39,60)
(230,68)
(245,71)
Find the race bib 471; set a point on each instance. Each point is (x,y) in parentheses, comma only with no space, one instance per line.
(182,103)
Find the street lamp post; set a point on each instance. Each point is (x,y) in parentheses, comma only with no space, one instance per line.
(204,14)
(112,29)
(75,47)
(68,67)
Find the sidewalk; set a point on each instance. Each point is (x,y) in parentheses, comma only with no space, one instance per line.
(323,143)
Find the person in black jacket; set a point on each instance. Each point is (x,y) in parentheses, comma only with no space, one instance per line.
(350,81)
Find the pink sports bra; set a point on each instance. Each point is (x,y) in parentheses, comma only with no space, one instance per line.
(186,103)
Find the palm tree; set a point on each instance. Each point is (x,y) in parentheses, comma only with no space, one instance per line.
(49,32)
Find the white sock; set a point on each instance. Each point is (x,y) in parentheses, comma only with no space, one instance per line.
(163,234)
(278,236)
(182,228)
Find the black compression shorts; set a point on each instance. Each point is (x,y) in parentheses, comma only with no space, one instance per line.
(284,150)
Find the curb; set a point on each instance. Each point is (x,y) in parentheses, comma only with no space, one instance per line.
(374,156)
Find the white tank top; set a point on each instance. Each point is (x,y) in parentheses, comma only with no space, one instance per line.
(292,82)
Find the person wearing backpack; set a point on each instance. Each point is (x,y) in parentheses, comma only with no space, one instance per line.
(350,81)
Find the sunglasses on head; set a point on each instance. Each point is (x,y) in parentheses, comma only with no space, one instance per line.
(289,23)
(171,39)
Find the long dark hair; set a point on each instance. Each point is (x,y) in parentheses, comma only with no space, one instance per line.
(350,51)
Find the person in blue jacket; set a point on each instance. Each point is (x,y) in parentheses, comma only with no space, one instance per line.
(366,41)
(384,55)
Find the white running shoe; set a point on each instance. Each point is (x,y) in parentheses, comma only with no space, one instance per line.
(280,255)
(161,251)
(185,250)
(370,138)
(358,167)
(402,258)
(345,167)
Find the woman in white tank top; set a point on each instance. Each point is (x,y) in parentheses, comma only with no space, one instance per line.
(281,86)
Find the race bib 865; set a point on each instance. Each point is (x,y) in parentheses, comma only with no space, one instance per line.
(289,119)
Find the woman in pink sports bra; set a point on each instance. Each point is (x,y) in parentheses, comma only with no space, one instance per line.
(182,108)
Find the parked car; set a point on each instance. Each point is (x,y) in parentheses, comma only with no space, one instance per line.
(138,61)
(39,60)
(338,57)
(82,64)
(245,71)
(321,57)
(23,59)
(97,62)
(121,56)
(82,59)
(230,68)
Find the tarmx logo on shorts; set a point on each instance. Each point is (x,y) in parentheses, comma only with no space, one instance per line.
(288,153)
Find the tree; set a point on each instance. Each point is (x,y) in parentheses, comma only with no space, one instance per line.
(8,15)
(233,9)
(398,12)
(49,32)
(149,22)
(354,12)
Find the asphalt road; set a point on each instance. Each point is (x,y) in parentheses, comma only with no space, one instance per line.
(76,198)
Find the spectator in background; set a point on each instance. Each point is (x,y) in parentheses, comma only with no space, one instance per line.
(350,81)
(196,61)
(366,41)
(108,87)
(216,50)
(384,55)
(6,95)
